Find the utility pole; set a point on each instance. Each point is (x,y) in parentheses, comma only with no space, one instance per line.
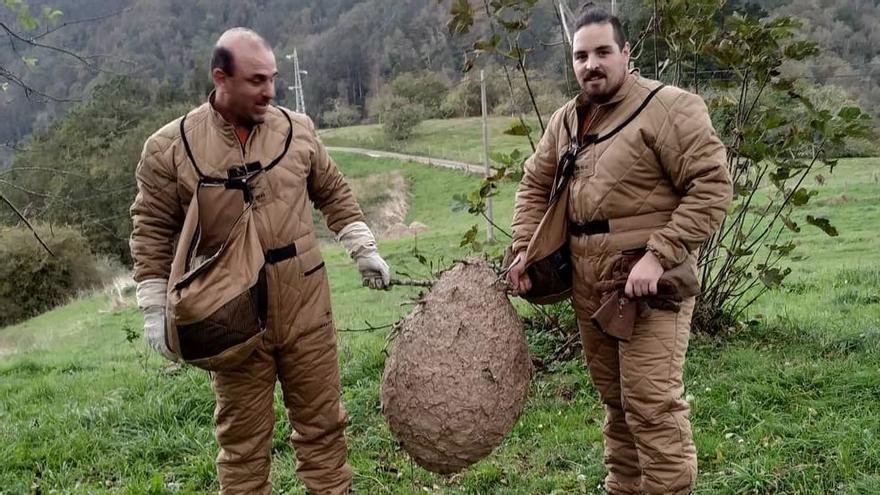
(490,232)
(297,87)
(564,14)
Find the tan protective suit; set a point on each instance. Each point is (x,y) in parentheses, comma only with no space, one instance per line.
(299,347)
(663,184)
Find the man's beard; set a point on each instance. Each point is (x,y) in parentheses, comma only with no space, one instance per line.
(599,98)
(250,120)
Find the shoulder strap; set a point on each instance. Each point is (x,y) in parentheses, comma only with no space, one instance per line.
(286,141)
(565,167)
(206,178)
(596,139)
(189,151)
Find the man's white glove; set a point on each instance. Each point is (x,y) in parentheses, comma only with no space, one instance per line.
(151,300)
(361,246)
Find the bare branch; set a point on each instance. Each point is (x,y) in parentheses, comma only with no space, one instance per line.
(33,42)
(26,191)
(25,220)
(78,21)
(28,90)
(483,212)
(369,328)
(14,147)
(552,43)
(41,169)
(411,283)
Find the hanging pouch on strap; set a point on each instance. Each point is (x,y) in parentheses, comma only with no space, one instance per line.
(548,256)
(217,295)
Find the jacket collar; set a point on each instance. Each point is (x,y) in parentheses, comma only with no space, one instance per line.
(579,110)
(225,128)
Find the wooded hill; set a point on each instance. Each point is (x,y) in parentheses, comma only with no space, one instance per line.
(349,48)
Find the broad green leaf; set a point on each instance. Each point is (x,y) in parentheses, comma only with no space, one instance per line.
(515,53)
(517,128)
(849,113)
(460,203)
(513,26)
(783,249)
(488,44)
(800,50)
(790,224)
(802,196)
(772,277)
(470,238)
(27,21)
(823,224)
(462,17)
(13,5)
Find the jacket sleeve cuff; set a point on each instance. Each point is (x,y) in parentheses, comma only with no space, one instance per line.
(519,246)
(357,239)
(152,293)
(668,254)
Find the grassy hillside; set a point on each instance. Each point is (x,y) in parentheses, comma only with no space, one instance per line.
(787,405)
(455,139)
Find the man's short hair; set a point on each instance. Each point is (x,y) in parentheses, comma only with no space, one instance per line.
(595,15)
(222,59)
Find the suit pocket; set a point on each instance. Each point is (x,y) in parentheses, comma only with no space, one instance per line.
(311,262)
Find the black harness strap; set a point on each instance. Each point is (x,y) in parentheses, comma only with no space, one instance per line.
(565,167)
(597,139)
(236,173)
(189,154)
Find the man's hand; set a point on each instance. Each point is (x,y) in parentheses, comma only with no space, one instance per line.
(361,246)
(154,331)
(642,280)
(517,276)
(375,273)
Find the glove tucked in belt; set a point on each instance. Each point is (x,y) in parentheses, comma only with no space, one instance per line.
(617,313)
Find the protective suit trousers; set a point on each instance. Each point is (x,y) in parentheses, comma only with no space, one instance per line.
(303,357)
(649,446)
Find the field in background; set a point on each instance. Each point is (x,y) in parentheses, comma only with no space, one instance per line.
(455,139)
(787,404)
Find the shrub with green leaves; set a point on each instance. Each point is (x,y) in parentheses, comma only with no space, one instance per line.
(342,115)
(400,119)
(426,88)
(33,281)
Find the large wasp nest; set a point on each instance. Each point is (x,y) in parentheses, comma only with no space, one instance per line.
(458,374)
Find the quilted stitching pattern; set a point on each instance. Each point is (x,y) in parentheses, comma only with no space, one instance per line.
(300,344)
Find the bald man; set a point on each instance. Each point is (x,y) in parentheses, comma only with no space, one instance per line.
(237,139)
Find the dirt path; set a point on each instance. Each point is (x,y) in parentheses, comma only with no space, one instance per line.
(437,162)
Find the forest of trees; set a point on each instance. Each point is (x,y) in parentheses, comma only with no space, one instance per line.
(350,48)
(147,60)
(86,81)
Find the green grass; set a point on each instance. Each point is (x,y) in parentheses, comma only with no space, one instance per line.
(787,404)
(454,139)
